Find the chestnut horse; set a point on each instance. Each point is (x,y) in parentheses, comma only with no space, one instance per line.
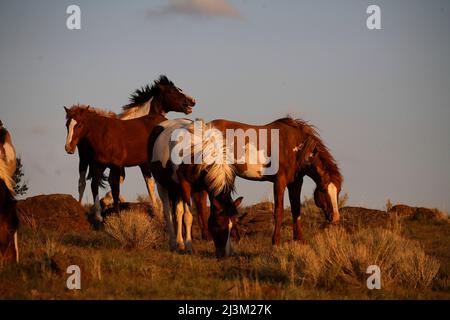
(115,143)
(9,222)
(294,150)
(179,179)
(154,100)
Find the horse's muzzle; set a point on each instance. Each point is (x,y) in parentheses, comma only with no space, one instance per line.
(69,149)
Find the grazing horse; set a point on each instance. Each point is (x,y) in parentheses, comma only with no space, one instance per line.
(9,222)
(294,150)
(154,100)
(179,179)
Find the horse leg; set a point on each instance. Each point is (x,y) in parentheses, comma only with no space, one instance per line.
(295,189)
(150,183)
(12,253)
(82,169)
(200,199)
(96,176)
(179,212)
(115,187)
(188,224)
(278,191)
(164,195)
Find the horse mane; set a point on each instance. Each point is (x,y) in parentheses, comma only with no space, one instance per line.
(314,141)
(97,111)
(220,175)
(142,95)
(3,134)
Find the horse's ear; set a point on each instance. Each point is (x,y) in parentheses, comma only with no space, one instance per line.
(88,107)
(238,201)
(67,110)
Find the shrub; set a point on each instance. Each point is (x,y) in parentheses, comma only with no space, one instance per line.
(135,230)
(336,257)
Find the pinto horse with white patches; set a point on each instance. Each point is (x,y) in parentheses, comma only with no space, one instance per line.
(115,143)
(296,151)
(9,221)
(154,100)
(179,177)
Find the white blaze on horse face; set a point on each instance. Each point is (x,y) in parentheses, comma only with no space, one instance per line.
(72,125)
(10,153)
(332,192)
(16,246)
(228,245)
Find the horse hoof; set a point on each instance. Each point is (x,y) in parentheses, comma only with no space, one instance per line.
(189,248)
(181,247)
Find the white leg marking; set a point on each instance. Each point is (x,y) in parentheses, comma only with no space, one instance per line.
(332,192)
(16,246)
(70,133)
(188,224)
(179,211)
(163,194)
(150,183)
(228,245)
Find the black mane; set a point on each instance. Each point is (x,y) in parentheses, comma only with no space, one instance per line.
(3,133)
(144,94)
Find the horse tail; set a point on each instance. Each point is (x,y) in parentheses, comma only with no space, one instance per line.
(104,180)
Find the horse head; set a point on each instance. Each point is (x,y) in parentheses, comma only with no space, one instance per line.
(76,126)
(173,98)
(324,171)
(222,222)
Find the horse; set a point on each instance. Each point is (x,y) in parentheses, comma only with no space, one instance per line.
(154,100)
(178,181)
(9,222)
(159,99)
(299,151)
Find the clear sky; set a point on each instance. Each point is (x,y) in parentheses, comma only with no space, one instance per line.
(380,98)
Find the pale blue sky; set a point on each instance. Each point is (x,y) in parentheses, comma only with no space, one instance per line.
(381,99)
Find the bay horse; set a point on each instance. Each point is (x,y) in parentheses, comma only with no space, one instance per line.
(115,143)
(300,152)
(9,222)
(154,100)
(178,181)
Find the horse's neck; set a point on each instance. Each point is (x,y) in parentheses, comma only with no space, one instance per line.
(156,107)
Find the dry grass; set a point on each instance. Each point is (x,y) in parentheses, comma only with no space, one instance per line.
(134,230)
(331,265)
(336,257)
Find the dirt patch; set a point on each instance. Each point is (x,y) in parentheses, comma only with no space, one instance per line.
(57,212)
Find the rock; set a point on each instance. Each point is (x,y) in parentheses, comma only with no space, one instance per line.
(57,212)
(402,210)
(416,213)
